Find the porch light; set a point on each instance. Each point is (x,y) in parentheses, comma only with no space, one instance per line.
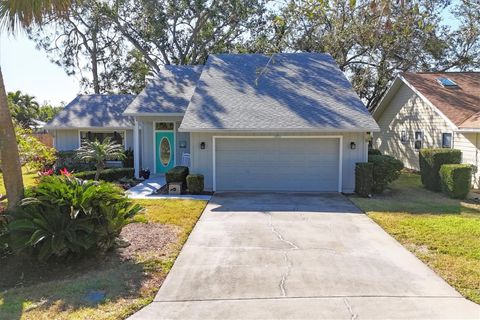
(202,145)
(353,146)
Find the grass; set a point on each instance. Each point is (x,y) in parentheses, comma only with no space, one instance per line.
(444,233)
(29,179)
(128,286)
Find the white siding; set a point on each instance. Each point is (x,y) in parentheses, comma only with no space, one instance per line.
(66,140)
(202,161)
(469,143)
(408,112)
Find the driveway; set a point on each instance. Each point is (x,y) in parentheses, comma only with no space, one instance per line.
(299,256)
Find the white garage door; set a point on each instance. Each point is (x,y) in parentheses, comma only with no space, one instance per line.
(277,164)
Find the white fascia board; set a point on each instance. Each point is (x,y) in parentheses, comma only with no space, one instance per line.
(88,128)
(275,130)
(381,105)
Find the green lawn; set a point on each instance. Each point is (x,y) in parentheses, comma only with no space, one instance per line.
(29,179)
(442,232)
(127,285)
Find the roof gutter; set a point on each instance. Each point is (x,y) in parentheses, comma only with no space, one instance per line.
(276,130)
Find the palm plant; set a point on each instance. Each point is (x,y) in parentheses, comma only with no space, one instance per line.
(16,14)
(99,152)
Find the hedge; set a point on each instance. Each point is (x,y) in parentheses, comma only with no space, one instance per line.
(456,180)
(386,169)
(430,162)
(177,174)
(195,183)
(68,160)
(109,175)
(374,152)
(364,178)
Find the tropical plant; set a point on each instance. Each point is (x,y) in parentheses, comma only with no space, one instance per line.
(33,153)
(15,14)
(98,152)
(65,216)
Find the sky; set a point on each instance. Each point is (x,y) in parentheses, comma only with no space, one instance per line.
(28,69)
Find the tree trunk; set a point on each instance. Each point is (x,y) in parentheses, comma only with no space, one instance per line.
(10,159)
(98,171)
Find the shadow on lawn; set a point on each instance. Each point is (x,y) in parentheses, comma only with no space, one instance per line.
(74,288)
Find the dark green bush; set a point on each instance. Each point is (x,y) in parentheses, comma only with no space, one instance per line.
(177,174)
(374,152)
(430,162)
(195,183)
(386,169)
(109,175)
(67,160)
(364,179)
(65,216)
(128,160)
(456,180)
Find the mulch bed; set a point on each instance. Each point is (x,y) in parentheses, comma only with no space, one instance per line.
(154,239)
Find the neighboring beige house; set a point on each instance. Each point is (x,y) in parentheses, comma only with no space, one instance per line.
(430,110)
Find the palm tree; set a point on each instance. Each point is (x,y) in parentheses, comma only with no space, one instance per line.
(99,152)
(16,14)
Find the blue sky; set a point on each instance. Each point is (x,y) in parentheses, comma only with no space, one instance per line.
(27,69)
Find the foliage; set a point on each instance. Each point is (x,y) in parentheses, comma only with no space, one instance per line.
(364,179)
(33,153)
(69,160)
(64,216)
(98,152)
(456,180)
(128,160)
(195,183)
(177,174)
(374,152)
(25,109)
(386,169)
(110,175)
(430,162)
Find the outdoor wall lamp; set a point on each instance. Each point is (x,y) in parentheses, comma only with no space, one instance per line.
(202,145)
(353,146)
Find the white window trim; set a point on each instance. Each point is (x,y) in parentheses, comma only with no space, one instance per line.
(340,153)
(103,131)
(451,139)
(415,139)
(406,136)
(155,145)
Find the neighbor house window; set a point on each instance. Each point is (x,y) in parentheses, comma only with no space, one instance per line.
(403,136)
(418,140)
(115,136)
(446,140)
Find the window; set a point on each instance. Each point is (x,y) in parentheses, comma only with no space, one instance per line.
(164,126)
(418,140)
(446,82)
(446,140)
(403,136)
(115,136)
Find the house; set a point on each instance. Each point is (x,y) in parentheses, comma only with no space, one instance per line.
(430,110)
(290,122)
(92,117)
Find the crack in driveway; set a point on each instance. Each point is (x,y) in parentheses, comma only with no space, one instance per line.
(288,262)
(353,315)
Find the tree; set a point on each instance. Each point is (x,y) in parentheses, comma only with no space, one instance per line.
(23,107)
(98,152)
(16,14)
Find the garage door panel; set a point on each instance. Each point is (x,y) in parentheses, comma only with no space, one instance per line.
(277,164)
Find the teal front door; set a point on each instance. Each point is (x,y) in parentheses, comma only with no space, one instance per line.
(164,151)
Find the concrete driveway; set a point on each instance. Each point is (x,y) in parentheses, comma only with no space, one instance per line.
(299,256)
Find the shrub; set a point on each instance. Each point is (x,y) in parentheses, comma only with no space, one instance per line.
(177,174)
(128,160)
(364,179)
(195,183)
(456,179)
(65,216)
(109,175)
(374,152)
(386,169)
(430,162)
(68,160)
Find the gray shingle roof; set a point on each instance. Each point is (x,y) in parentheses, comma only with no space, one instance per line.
(291,92)
(170,92)
(95,110)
